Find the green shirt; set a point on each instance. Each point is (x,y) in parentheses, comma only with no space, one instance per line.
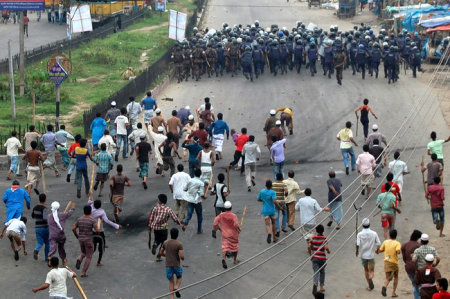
(384,200)
(436,148)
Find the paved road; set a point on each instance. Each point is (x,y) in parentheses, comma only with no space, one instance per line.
(321,108)
(39,34)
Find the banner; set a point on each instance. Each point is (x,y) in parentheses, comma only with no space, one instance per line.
(81,18)
(15,5)
(177,25)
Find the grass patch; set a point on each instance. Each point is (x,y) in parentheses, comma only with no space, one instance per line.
(97,72)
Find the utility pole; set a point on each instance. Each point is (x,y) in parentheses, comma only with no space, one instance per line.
(21,54)
(11,82)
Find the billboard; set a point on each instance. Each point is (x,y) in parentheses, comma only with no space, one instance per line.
(18,5)
(177,25)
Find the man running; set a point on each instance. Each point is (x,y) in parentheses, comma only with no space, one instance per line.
(334,199)
(105,162)
(41,227)
(268,198)
(195,193)
(143,150)
(286,118)
(345,136)
(391,249)
(177,184)
(13,199)
(34,157)
(148,104)
(398,169)
(228,225)
(365,109)
(173,251)
(117,185)
(16,231)
(57,236)
(365,165)
(386,202)
(435,147)
(251,153)
(56,280)
(217,130)
(367,243)
(435,196)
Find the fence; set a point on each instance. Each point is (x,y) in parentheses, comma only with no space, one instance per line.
(39,53)
(141,83)
(21,130)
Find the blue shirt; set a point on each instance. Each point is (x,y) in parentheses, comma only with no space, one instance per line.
(267,197)
(81,155)
(219,127)
(148,103)
(48,140)
(98,126)
(183,115)
(193,149)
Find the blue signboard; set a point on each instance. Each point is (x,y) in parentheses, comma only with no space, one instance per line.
(160,5)
(57,74)
(18,5)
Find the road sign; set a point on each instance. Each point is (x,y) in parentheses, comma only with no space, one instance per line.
(59,68)
(15,5)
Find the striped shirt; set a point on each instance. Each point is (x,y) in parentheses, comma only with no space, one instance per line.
(279,187)
(318,247)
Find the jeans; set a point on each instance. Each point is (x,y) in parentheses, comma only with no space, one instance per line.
(284,219)
(198,210)
(365,123)
(378,170)
(415,288)
(72,165)
(319,275)
(192,167)
(60,17)
(278,168)
(121,138)
(42,238)
(349,151)
(438,214)
(82,172)
(336,211)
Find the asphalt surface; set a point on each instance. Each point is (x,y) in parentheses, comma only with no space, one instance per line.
(321,108)
(39,34)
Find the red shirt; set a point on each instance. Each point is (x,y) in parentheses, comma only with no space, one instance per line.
(437,195)
(441,295)
(201,134)
(241,141)
(26,20)
(394,189)
(72,147)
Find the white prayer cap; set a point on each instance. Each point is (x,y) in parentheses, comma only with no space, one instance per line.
(424,237)
(272,112)
(227,204)
(157,111)
(366,222)
(429,257)
(187,108)
(143,135)
(113,103)
(278,123)
(375,127)
(191,117)
(160,129)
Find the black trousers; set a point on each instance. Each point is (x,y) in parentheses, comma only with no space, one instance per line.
(238,155)
(99,238)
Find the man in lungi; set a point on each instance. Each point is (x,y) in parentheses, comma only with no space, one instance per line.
(33,157)
(228,224)
(217,131)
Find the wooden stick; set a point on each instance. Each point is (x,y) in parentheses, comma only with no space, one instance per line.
(423,175)
(77,283)
(209,184)
(44,184)
(68,206)
(356,135)
(243,215)
(228,178)
(99,223)
(92,181)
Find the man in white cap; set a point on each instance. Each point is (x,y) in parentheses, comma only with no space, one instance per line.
(270,122)
(375,135)
(423,250)
(148,104)
(228,225)
(158,121)
(57,236)
(286,117)
(122,125)
(426,277)
(367,243)
(190,127)
(110,117)
(158,138)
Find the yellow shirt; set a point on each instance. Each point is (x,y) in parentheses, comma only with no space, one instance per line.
(293,190)
(345,135)
(390,248)
(285,110)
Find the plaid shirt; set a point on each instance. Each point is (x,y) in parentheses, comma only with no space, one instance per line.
(104,161)
(421,252)
(157,219)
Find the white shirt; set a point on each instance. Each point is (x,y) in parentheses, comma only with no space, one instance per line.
(308,207)
(12,146)
(121,120)
(397,168)
(178,181)
(218,189)
(136,135)
(18,227)
(56,278)
(367,240)
(133,110)
(110,144)
(202,108)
